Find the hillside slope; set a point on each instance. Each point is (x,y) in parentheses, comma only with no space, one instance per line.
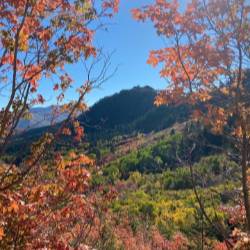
(130,111)
(126,113)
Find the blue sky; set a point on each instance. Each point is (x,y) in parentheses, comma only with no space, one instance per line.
(131,42)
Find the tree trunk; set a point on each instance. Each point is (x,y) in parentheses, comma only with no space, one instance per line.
(244,167)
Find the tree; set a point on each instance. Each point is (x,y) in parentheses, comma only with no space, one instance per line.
(43,201)
(206,65)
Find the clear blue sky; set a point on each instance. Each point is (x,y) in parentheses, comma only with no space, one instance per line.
(131,42)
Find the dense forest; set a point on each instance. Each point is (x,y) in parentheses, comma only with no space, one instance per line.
(141,169)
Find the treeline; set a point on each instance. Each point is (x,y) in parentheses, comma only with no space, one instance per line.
(166,154)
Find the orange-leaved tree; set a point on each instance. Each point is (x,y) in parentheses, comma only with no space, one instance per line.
(43,200)
(205,62)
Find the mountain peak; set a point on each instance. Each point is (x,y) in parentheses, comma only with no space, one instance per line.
(121,108)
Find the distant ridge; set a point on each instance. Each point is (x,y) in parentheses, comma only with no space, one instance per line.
(40,117)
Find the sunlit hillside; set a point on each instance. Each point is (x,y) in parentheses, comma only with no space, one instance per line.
(124,125)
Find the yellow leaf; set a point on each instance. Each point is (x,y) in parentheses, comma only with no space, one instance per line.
(23,40)
(83,159)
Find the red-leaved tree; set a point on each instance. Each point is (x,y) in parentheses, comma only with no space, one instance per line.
(46,202)
(205,62)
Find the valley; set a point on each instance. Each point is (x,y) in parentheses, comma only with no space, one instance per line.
(160,160)
(149,170)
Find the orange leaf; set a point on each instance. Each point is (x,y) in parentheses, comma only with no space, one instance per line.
(13,207)
(1,233)
(153,60)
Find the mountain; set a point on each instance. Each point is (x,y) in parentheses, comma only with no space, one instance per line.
(110,112)
(121,108)
(130,111)
(40,117)
(125,113)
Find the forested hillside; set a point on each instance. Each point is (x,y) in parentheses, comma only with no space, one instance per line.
(131,111)
(143,153)
(126,113)
(142,169)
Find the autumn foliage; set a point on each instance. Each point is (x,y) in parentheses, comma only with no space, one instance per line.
(47,198)
(205,61)
(45,203)
(207,52)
